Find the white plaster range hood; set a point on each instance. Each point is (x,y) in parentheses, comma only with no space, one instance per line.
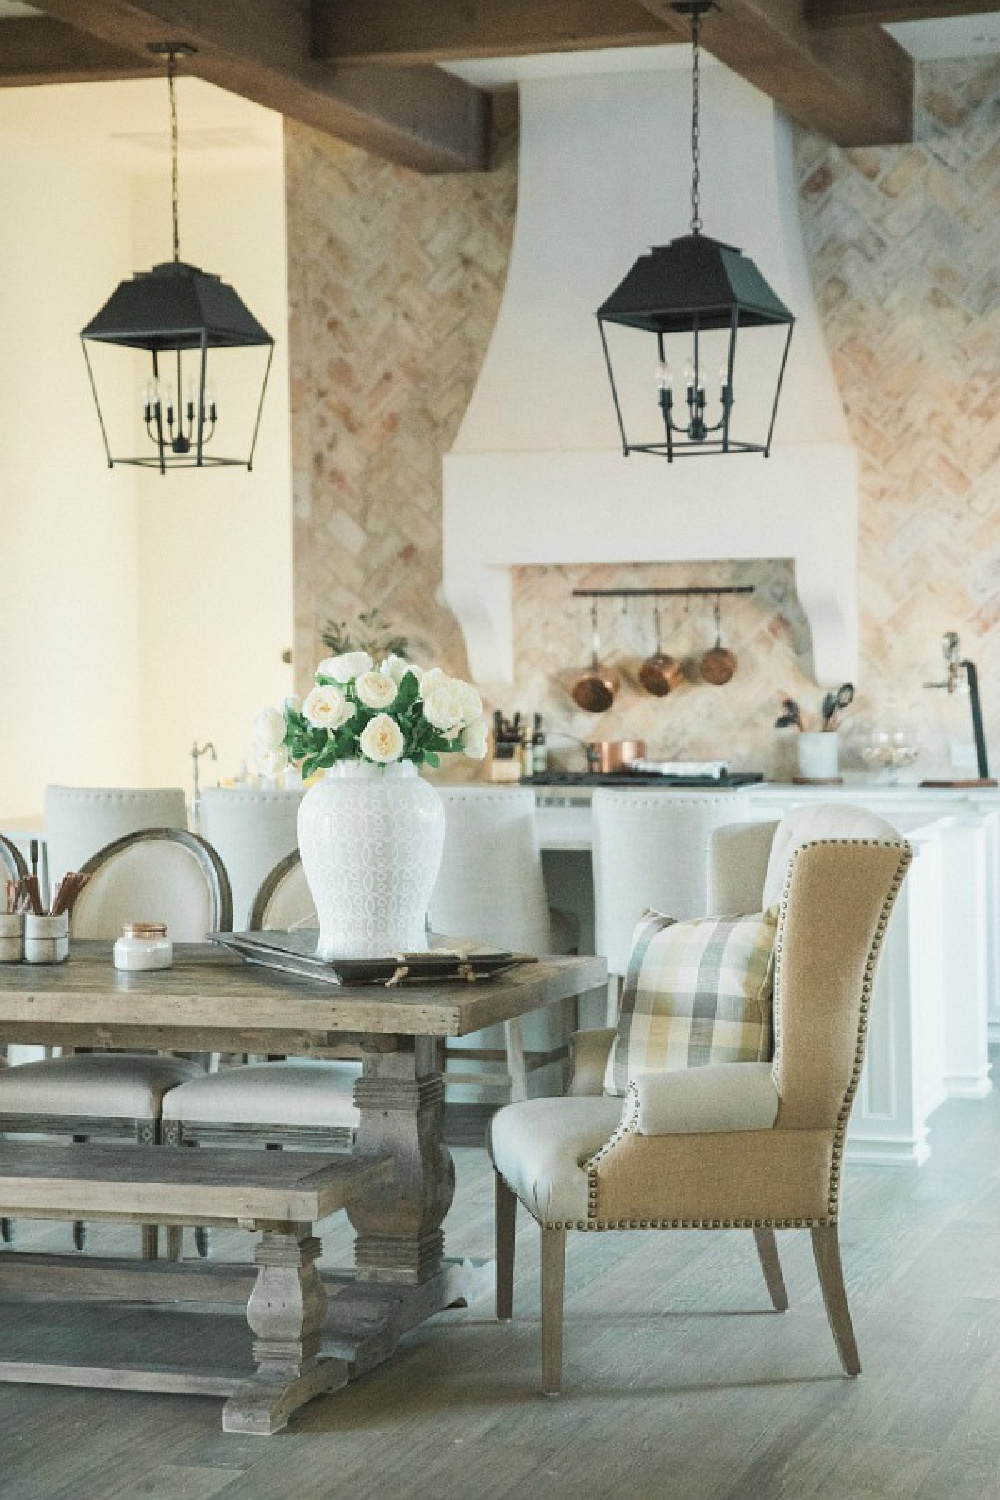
(536,475)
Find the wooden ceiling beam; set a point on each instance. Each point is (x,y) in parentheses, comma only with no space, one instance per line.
(878,12)
(409,32)
(854,86)
(261,50)
(38,50)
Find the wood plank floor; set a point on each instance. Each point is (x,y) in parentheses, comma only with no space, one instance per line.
(680,1382)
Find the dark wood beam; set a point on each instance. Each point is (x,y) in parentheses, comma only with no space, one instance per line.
(853,86)
(410,32)
(35,49)
(260,49)
(877,12)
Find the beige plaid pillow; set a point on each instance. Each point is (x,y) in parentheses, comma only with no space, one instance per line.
(695,993)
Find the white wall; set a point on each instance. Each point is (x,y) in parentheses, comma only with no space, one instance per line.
(137,612)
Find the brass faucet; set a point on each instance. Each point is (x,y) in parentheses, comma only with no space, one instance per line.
(206,749)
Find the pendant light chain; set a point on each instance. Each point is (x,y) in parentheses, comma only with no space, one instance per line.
(695,128)
(172,87)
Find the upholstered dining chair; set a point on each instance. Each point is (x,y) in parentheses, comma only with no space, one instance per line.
(162,875)
(301,1102)
(650,849)
(251,829)
(81,820)
(491,890)
(698,1142)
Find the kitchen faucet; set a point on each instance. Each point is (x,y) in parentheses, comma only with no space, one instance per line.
(962,677)
(206,749)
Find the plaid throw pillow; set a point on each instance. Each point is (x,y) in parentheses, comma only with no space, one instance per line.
(695,993)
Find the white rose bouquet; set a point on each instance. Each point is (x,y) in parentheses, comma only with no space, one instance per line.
(360,711)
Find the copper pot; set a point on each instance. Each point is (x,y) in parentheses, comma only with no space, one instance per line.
(595,690)
(659,674)
(718,665)
(607,756)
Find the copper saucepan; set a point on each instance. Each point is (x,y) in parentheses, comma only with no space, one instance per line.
(718,665)
(659,674)
(607,756)
(595,690)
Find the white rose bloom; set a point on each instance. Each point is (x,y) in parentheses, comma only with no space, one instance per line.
(432,679)
(376,689)
(269,729)
(382,739)
(271,762)
(472,704)
(475,740)
(346,666)
(397,667)
(327,708)
(443,707)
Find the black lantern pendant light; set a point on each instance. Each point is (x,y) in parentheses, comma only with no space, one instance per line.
(693,287)
(178,313)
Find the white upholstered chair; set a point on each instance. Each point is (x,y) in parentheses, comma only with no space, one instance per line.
(80,820)
(251,830)
(302,1102)
(491,889)
(752,1145)
(164,875)
(650,849)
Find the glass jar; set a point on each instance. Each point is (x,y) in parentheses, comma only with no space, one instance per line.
(143,945)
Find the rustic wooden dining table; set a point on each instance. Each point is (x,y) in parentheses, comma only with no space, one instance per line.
(211,1001)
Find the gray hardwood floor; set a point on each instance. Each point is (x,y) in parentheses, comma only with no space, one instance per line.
(679,1380)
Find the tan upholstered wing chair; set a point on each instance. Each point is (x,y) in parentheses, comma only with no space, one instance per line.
(740,1145)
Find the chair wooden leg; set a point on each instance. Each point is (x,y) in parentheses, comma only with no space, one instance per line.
(826,1251)
(149,1241)
(175,1241)
(767,1249)
(506,1213)
(553,1284)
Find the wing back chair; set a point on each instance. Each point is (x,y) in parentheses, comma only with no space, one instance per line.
(741,1145)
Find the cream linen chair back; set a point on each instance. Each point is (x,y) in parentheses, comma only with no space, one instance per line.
(252,831)
(491,886)
(79,820)
(491,889)
(156,875)
(650,850)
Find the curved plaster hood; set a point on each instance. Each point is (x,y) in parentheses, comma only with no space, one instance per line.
(536,474)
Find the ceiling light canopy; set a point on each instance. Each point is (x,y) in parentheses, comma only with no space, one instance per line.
(178,313)
(704,293)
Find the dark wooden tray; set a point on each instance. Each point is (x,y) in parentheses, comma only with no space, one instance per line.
(295,953)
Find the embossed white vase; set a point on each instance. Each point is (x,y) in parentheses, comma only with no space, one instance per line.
(371,839)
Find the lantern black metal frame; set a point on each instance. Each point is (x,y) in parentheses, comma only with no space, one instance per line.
(694,285)
(173,310)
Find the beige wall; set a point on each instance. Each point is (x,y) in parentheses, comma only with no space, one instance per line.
(136,612)
(394,284)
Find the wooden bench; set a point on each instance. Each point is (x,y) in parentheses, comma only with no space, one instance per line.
(279,1194)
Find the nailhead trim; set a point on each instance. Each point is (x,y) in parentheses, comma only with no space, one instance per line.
(628,1124)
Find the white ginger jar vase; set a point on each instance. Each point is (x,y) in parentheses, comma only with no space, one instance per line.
(371,838)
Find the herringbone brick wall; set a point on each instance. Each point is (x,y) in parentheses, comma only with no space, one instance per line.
(395,281)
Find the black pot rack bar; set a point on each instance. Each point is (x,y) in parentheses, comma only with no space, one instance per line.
(694,589)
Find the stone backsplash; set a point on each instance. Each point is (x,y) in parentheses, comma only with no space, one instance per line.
(395,280)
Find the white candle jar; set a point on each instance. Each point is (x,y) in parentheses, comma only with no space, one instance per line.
(143,945)
(46,939)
